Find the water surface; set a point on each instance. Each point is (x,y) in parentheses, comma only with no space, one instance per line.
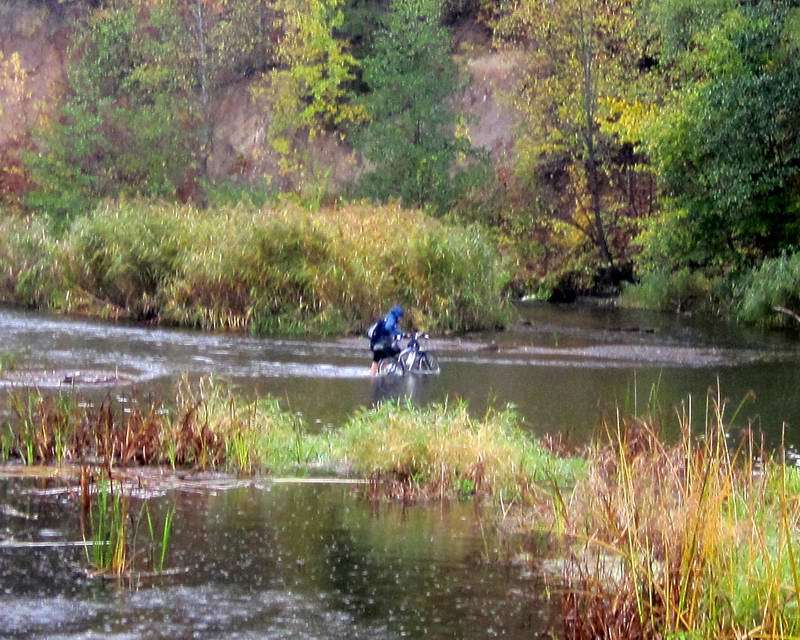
(256,559)
(274,561)
(563,367)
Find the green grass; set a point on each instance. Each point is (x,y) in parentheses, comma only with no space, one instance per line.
(282,270)
(114,532)
(679,291)
(31,268)
(109,532)
(435,451)
(770,293)
(9,361)
(159,542)
(442,450)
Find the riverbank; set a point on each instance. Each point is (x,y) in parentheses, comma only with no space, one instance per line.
(694,537)
(284,270)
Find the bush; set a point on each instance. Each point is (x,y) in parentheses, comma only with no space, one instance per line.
(662,290)
(284,270)
(770,292)
(441,449)
(31,270)
(292,270)
(125,254)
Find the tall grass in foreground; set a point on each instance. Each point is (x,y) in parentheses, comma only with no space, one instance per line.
(113,531)
(282,270)
(686,541)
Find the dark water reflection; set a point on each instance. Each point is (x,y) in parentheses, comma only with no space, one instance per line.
(281,561)
(563,367)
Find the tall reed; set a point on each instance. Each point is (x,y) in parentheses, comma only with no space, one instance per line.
(692,540)
(108,530)
(113,532)
(207,427)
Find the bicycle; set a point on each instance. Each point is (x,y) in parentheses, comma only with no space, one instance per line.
(393,365)
(415,358)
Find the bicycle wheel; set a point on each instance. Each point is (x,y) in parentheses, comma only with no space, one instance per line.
(391,367)
(428,363)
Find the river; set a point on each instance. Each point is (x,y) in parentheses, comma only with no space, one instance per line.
(259,559)
(565,368)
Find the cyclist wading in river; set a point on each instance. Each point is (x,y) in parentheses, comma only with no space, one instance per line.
(382,336)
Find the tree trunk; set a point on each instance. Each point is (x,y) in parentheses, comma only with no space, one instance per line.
(202,74)
(590,162)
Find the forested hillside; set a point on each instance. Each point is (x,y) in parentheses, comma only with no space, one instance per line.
(648,147)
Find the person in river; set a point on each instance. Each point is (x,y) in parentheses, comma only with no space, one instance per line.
(382,336)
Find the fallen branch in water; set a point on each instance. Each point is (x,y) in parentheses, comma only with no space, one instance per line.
(787,312)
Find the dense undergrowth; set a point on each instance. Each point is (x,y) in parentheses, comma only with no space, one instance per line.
(767,295)
(282,270)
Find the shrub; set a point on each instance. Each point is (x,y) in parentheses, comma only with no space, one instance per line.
(126,253)
(770,293)
(31,271)
(440,449)
(286,270)
(292,270)
(662,290)
(688,540)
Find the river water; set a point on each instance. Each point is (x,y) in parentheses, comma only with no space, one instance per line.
(259,559)
(273,561)
(565,368)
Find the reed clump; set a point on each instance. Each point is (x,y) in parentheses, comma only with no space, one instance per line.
(208,428)
(112,527)
(30,271)
(441,450)
(692,540)
(264,270)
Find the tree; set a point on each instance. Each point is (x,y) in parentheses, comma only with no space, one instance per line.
(137,116)
(13,94)
(584,64)
(12,80)
(121,129)
(223,41)
(410,141)
(308,92)
(726,143)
